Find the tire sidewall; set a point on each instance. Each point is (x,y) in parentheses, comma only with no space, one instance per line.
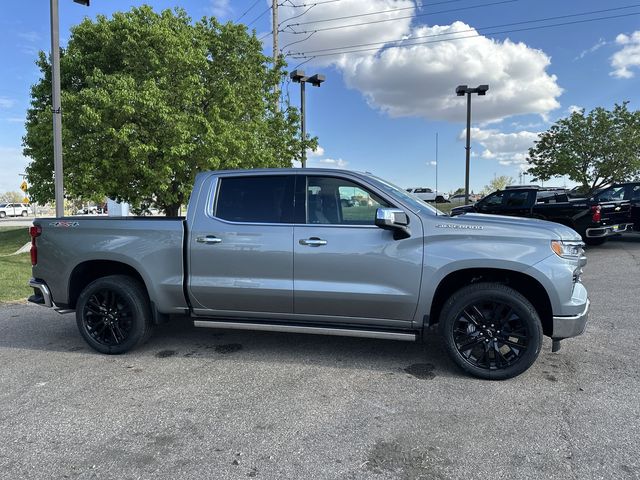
(132,293)
(500,293)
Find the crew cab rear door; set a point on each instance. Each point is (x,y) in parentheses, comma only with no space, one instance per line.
(241,253)
(345,266)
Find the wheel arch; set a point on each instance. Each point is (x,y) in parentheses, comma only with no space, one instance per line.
(86,272)
(525,284)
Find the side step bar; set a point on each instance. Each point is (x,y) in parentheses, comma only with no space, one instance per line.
(340,332)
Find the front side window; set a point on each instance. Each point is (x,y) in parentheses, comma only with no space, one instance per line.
(494,200)
(338,201)
(260,199)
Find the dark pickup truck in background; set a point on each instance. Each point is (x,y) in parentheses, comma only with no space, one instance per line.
(595,218)
(623,192)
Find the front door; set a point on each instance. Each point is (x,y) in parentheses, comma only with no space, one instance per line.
(345,266)
(241,253)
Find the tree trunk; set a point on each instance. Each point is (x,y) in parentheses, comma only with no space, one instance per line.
(171,210)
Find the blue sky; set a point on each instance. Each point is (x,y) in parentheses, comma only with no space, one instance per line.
(380,110)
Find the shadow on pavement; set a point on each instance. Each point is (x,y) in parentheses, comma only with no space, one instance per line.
(29,329)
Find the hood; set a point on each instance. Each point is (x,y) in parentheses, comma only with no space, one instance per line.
(499,225)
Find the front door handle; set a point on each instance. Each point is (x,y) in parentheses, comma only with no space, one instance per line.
(209,239)
(313,242)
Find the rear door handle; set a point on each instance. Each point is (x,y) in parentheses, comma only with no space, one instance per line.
(209,239)
(313,242)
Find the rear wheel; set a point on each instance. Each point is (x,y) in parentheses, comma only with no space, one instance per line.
(113,314)
(2,214)
(24,213)
(491,331)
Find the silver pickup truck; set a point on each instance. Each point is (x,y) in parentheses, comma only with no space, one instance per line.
(318,251)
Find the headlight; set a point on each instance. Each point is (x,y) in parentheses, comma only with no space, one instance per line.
(571,250)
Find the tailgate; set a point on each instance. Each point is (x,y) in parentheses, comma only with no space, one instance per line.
(615,212)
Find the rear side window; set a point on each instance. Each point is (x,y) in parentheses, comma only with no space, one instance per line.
(260,199)
(635,192)
(516,199)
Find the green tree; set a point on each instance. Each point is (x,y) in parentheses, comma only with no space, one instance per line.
(498,183)
(150,99)
(593,149)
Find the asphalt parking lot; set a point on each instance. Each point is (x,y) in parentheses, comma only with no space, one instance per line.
(220,404)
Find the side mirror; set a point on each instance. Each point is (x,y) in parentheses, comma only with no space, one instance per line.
(393,219)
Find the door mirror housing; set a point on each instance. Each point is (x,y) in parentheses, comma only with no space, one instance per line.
(393,219)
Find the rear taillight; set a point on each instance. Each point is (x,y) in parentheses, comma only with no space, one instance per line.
(596,216)
(35,232)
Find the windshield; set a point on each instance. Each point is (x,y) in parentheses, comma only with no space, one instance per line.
(417,204)
(611,194)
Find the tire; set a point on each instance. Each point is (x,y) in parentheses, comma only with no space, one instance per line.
(113,314)
(25,213)
(594,242)
(491,331)
(2,214)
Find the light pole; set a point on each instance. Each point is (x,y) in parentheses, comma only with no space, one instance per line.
(298,76)
(462,90)
(56,108)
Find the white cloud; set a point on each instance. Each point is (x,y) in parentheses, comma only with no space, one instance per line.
(12,164)
(505,148)
(219,8)
(432,163)
(6,102)
(32,37)
(598,45)
(627,57)
(319,152)
(328,163)
(574,109)
(420,80)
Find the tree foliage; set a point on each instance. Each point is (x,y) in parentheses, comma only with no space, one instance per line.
(593,149)
(498,183)
(150,99)
(12,197)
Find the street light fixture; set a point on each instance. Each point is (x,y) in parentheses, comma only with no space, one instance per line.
(298,76)
(56,108)
(461,91)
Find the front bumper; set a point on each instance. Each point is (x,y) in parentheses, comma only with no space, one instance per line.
(41,293)
(571,326)
(608,230)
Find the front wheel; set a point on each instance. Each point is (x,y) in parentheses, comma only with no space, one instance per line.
(25,213)
(2,214)
(113,314)
(491,331)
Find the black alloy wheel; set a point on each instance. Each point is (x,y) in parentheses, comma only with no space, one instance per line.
(490,335)
(108,317)
(113,314)
(491,331)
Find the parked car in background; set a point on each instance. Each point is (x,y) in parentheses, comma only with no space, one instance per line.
(14,210)
(593,219)
(279,250)
(428,195)
(92,209)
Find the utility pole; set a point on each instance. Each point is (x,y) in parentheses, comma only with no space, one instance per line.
(56,109)
(276,53)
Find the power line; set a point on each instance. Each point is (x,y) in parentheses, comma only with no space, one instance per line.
(258,17)
(547,19)
(248,10)
(291,4)
(304,55)
(413,7)
(401,18)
